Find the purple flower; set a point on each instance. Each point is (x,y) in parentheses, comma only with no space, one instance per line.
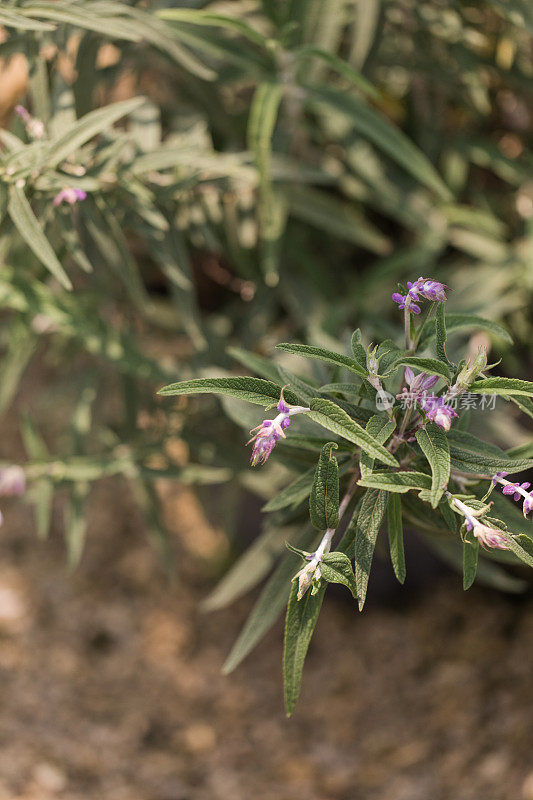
(420,383)
(34,126)
(427,289)
(267,434)
(519,491)
(498,475)
(12,481)
(487,536)
(69,195)
(431,290)
(401,300)
(437,411)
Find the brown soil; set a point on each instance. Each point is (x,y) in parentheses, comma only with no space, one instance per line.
(111,686)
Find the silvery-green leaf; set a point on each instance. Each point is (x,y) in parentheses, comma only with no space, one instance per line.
(337,568)
(330,416)
(434,445)
(394,519)
(324,499)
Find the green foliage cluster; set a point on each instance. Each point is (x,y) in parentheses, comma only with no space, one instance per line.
(402,463)
(260,171)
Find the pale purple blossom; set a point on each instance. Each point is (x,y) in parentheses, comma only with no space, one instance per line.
(437,411)
(427,289)
(12,481)
(266,435)
(34,126)
(485,534)
(69,195)
(402,300)
(435,408)
(518,491)
(489,537)
(419,383)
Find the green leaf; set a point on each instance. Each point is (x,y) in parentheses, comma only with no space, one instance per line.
(394,519)
(430,365)
(337,64)
(522,546)
(302,616)
(470,559)
(505,386)
(324,355)
(337,568)
(76,523)
(524,404)
(85,128)
(324,500)
(359,352)
(440,332)
(261,123)
(383,134)
(200,17)
(269,604)
(369,519)
(42,491)
(254,390)
(400,482)
(380,428)
(434,445)
(337,217)
(10,19)
(293,493)
(455,322)
(470,454)
(31,231)
(330,416)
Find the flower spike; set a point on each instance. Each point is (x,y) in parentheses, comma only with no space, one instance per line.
(266,435)
(519,491)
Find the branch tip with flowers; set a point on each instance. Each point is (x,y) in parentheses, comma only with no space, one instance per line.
(397,451)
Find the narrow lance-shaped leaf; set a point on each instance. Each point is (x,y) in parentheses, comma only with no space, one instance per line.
(324,500)
(470,559)
(434,445)
(359,352)
(380,428)
(400,482)
(522,546)
(505,386)
(30,229)
(269,604)
(330,416)
(368,524)
(377,129)
(261,124)
(455,322)
(293,494)
(394,519)
(254,390)
(302,616)
(324,355)
(441,333)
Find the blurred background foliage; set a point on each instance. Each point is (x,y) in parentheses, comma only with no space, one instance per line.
(256,171)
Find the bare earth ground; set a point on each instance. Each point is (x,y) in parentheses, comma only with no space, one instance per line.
(111,686)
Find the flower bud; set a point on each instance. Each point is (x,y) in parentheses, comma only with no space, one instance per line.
(469,372)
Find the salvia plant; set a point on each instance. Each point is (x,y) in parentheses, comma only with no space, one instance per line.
(389,447)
